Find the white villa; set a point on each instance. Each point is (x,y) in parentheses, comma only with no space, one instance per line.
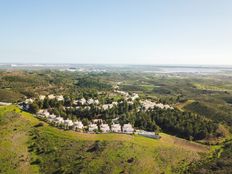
(107,106)
(82,101)
(68,123)
(93,127)
(90,101)
(97,121)
(51,118)
(75,102)
(116,128)
(115,103)
(5,104)
(60,98)
(29,100)
(134,96)
(59,121)
(127,128)
(42,97)
(78,125)
(104,128)
(51,96)
(43,113)
(96,102)
(147,134)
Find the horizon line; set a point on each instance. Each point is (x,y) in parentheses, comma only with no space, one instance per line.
(115,64)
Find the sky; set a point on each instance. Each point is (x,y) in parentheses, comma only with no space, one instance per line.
(116,31)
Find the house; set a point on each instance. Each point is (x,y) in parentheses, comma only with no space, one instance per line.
(59,121)
(107,106)
(97,121)
(29,100)
(51,118)
(104,128)
(60,98)
(46,113)
(75,102)
(116,128)
(82,101)
(68,124)
(78,125)
(93,127)
(42,97)
(134,96)
(51,96)
(40,113)
(5,104)
(43,113)
(148,134)
(115,103)
(90,101)
(96,102)
(127,128)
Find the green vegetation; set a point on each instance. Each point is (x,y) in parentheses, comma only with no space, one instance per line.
(185,124)
(14,133)
(202,113)
(50,150)
(87,82)
(219,163)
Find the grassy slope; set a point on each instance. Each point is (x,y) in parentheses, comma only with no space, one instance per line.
(58,151)
(14,156)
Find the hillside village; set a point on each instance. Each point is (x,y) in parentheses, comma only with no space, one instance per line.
(95,125)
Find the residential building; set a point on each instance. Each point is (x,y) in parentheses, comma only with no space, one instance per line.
(78,125)
(127,128)
(116,128)
(93,127)
(59,121)
(104,128)
(82,101)
(42,97)
(51,96)
(60,98)
(90,101)
(68,124)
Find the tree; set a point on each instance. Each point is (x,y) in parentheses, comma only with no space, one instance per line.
(85,121)
(34,108)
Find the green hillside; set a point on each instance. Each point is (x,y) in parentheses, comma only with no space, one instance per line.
(31,146)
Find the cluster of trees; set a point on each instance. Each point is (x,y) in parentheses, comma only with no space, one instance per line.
(202,108)
(92,83)
(183,124)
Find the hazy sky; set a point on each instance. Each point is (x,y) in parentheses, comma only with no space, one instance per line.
(116,31)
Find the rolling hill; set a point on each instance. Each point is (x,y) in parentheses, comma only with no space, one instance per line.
(32,146)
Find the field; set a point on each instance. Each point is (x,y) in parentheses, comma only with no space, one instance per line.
(30,147)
